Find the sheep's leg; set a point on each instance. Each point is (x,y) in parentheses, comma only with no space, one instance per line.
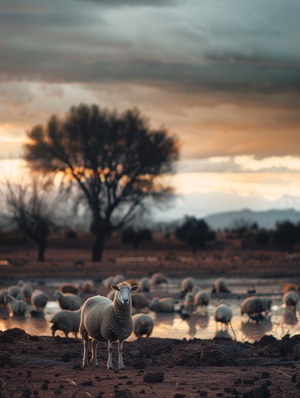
(110,350)
(85,353)
(120,351)
(94,353)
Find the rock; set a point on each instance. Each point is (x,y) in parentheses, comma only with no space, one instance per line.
(157,377)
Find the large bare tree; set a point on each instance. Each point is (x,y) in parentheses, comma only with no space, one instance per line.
(116,160)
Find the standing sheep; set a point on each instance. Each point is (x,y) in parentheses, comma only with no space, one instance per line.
(26,290)
(66,321)
(142,324)
(106,320)
(158,278)
(290,300)
(17,307)
(201,300)
(165,304)
(220,286)
(187,284)
(39,299)
(188,304)
(144,284)
(223,314)
(68,301)
(253,307)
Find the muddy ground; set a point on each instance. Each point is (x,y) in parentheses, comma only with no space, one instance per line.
(32,366)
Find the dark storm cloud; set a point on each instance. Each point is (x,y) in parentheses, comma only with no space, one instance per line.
(233,48)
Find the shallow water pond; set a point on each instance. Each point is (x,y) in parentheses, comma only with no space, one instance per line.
(201,325)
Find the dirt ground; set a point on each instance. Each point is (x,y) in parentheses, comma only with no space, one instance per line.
(34,366)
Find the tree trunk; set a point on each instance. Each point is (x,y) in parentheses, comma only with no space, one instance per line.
(97,248)
(41,250)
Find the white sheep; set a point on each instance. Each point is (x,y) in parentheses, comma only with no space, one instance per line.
(144,284)
(66,321)
(290,300)
(143,324)
(187,284)
(106,320)
(158,278)
(68,301)
(201,300)
(220,286)
(39,299)
(17,307)
(223,314)
(188,304)
(165,304)
(253,307)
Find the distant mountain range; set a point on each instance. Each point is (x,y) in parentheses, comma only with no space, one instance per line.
(264,219)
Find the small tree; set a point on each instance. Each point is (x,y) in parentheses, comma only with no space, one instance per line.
(286,235)
(116,160)
(135,238)
(28,206)
(195,233)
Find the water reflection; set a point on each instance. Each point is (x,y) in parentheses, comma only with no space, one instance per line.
(199,325)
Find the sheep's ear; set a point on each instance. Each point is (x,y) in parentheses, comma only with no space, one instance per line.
(134,288)
(115,287)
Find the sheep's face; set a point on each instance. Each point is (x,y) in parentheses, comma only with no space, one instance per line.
(124,292)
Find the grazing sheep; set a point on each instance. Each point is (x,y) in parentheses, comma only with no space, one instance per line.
(39,299)
(139,300)
(132,282)
(220,286)
(253,307)
(68,301)
(201,299)
(287,286)
(223,314)
(26,290)
(14,290)
(290,300)
(158,278)
(162,305)
(68,288)
(188,304)
(266,303)
(87,287)
(187,284)
(142,324)
(144,284)
(107,282)
(3,293)
(17,307)
(106,320)
(66,321)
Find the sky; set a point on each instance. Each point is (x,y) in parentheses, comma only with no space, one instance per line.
(224,76)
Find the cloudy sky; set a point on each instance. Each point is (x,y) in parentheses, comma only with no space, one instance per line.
(223,76)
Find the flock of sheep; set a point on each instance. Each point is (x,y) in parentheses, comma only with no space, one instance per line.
(127,306)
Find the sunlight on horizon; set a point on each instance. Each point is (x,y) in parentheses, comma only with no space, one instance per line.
(269,186)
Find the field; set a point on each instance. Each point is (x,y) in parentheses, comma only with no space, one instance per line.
(43,366)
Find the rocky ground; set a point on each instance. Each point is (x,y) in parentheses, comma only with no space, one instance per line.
(32,366)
